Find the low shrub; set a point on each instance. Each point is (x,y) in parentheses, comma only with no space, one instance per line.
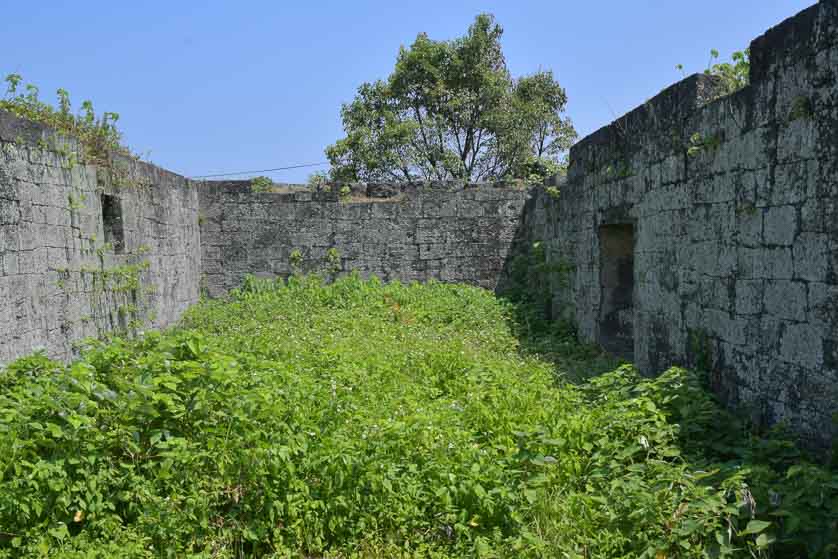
(358,419)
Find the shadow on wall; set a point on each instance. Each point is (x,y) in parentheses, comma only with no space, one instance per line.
(534,272)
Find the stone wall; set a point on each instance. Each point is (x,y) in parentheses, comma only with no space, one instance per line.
(445,231)
(84,250)
(731,207)
(695,230)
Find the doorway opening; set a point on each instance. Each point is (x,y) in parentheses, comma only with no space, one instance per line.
(616,278)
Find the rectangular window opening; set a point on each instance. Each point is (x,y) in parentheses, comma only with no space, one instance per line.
(616,271)
(112,222)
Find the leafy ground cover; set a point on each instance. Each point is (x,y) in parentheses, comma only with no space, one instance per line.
(365,420)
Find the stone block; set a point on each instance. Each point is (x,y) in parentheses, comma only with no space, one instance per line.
(749,294)
(797,139)
(786,299)
(802,344)
(780,225)
(811,257)
(791,183)
(721,325)
(822,306)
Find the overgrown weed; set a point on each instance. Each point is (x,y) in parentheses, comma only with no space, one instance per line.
(357,419)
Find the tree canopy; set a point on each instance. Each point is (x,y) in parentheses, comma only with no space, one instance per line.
(451,110)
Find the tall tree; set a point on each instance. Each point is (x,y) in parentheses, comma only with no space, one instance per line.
(451,110)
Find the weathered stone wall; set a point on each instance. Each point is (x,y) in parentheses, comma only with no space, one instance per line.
(446,231)
(695,230)
(62,276)
(731,206)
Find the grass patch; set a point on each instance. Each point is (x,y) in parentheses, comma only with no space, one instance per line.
(365,420)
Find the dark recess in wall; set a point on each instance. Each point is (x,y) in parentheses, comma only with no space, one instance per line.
(112,222)
(616,323)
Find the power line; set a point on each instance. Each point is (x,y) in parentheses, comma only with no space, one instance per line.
(262,170)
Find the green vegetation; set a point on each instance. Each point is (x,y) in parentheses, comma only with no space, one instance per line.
(733,75)
(295,260)
(357,419)
(98,136)
(703,144)
(261,184)
(333,262)
(318,180)
(801,107)
(451,110)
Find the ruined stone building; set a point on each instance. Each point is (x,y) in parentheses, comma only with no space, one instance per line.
(697,230)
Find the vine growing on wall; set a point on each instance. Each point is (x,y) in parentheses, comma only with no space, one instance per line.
(116,294)
(532,277)
(329,269)
(333,262)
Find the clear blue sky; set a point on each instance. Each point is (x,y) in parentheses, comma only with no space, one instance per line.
(217,86)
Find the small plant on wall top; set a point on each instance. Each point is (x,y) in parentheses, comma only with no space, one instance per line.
(538,169)
(98,135)
(319,180)
(261,184)
(732,76)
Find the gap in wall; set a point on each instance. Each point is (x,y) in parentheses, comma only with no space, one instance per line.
(112,222)
(616,274)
